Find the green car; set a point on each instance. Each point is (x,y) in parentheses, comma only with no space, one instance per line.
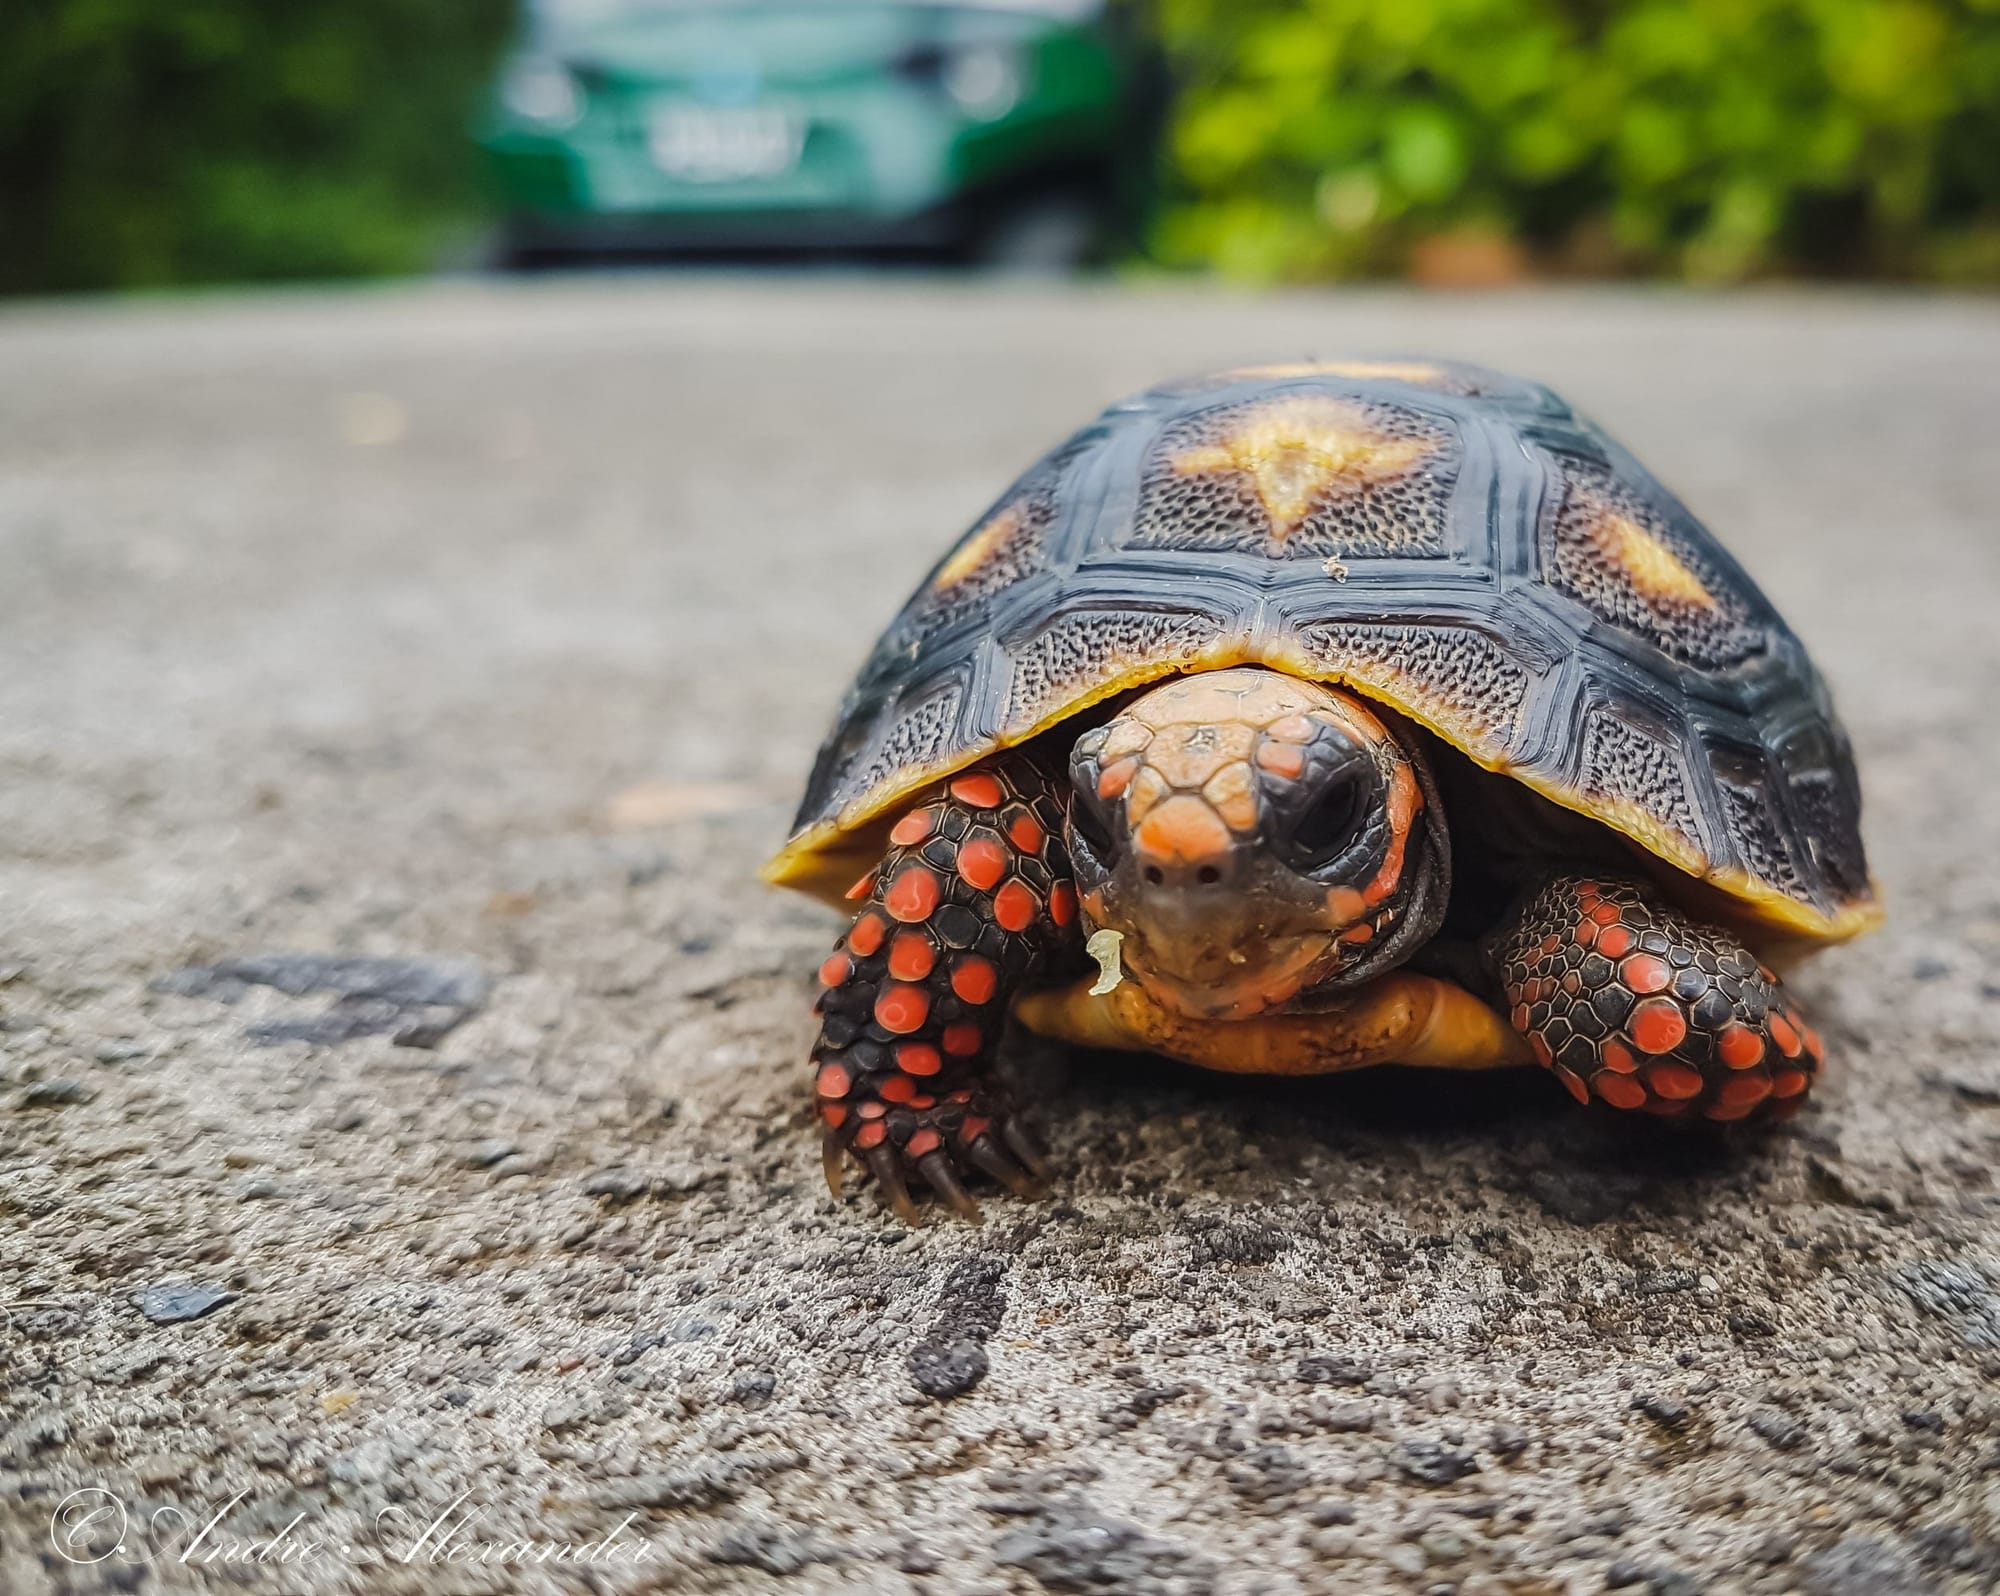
(1009,128)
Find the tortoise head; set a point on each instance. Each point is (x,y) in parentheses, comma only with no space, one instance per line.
(1256,840)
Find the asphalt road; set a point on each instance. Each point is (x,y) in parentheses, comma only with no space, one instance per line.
(490,629)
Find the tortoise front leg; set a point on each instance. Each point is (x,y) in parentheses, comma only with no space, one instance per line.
(972,900)
(1630,1002)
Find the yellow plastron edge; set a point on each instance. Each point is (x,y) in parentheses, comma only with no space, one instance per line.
(823,861)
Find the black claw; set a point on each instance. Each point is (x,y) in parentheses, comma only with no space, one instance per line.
(1002,1168)
(936,1169)
(830,1159)
(883,1165)
(1019,1144)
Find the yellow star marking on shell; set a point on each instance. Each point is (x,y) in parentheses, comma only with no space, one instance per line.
(1361,370)
(1654,570)
(986,541)
(1299,450)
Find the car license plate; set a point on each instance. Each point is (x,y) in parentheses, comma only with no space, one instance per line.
(726,144)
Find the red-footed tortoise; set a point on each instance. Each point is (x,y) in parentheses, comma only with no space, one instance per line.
(1348,713)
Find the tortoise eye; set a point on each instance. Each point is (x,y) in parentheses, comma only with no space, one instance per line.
(1329,828)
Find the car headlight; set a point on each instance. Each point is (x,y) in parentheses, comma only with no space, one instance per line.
(984,80)
(542,91)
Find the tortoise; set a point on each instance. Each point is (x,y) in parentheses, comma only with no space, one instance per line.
(1346,713)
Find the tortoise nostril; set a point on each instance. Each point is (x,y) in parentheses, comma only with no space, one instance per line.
(1208,875)
(1155,874)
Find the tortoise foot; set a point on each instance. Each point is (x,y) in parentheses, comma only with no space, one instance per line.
(971,902)
(1628,1002)
(938,1147)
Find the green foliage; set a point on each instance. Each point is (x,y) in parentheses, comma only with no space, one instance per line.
(1716,139)
(158,141)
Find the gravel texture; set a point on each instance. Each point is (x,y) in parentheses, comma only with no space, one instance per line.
(401,1087)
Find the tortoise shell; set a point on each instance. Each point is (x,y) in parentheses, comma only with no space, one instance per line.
(1456,544)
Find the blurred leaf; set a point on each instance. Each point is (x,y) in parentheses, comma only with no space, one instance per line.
(1424,152)
(145,143)
(1715,138)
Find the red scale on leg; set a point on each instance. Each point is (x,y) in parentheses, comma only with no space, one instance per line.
(1788,1039)
(911,956)
(1739,1047)
(1657,1025)
(979,789)
(1675,1081)
(1014,907)
(866,935)
(975,979)
(1620,1091)
(902,1008)
(913,895)
(982,861)
(1643,973)
(919,1058)
(962,1041)
(1062,904)
(1743,1093)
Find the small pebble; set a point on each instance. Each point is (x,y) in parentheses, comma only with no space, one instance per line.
(56,1093)
(163,1468)
(1442,1545)
(175,1304)
(617,1183)
(118,1051)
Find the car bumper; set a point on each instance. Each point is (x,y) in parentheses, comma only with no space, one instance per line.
(533,233)
(889,172)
